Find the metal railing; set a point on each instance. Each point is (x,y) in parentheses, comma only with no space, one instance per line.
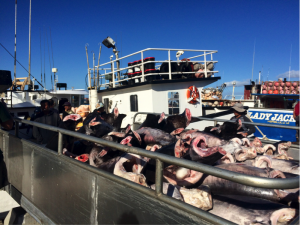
(287,183)
(224,120)
(204,54)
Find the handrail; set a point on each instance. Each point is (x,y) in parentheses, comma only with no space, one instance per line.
(224,120)
(143,75)
(253,181)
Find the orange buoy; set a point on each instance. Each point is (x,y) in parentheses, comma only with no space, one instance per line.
(192,95)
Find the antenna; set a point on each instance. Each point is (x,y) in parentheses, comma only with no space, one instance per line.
(290,64)
(253,58)
(15,62)
(29,63)
(41,56)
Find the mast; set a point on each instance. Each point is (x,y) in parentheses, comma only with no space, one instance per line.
(290,64)
(15,63)
(253,59)
(29,42)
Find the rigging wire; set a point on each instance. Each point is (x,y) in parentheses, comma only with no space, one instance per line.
(52,51)
(49,60)
(20,64)
(41,56)
(44,56)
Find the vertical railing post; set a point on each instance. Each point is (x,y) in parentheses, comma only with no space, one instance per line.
(143,74)
(169,57)
(158,177)
(113,74)
(16,128)
(215,123)
(60,143)
(205,64)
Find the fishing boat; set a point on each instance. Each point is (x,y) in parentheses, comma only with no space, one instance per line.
(149,85)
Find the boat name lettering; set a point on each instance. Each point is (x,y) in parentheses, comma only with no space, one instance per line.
(282,118)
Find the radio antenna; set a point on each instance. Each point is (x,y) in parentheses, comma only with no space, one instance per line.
(253,58)
(290,64)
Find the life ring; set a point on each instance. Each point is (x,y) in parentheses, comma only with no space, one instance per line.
(192,95)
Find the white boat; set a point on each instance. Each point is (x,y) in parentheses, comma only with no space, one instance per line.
(156,92)
(21,103)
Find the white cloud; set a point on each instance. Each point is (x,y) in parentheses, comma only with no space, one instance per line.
(286,74)
(238,83)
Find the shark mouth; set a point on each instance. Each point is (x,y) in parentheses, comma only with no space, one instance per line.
(73,117)
(263,162)
(277,174)
(228,158)
(180,148)
(181,176)
(83,158)
(283,147)
(199,145)
(269,147)
(241,154)
(237,140)
(126,140)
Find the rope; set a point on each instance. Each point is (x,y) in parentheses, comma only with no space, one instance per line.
(264,136)
(21,65)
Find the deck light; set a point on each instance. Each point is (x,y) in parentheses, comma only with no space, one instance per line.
(109,42)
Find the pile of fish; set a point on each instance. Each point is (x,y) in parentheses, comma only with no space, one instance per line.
(238,203)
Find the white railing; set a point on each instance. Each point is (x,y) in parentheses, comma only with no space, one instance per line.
(235,97)
(114,82)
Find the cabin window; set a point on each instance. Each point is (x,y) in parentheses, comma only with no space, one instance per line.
(82,99)
(133,103)
(34,97)
(106,103)
(173,103)
(75,100)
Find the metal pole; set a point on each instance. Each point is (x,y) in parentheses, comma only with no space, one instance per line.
(205,64)
(253,59)
(118,63)
(15,63)
(98,65)
(87,58)
(29,42)
(94,69)
(143,74)
(113,74)
(169,57)
(16,128)
(158,177)
(60,143)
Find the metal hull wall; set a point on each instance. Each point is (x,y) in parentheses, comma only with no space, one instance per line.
(66,193)
(280,117)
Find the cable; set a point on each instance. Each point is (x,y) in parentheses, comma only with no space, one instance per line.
(41,56)
(21,64)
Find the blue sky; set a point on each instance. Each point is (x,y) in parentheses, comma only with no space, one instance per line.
(231,27)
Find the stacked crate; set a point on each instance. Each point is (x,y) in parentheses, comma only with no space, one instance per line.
(280,87)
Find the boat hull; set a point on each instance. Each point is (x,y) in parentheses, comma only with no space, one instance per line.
(275,117)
